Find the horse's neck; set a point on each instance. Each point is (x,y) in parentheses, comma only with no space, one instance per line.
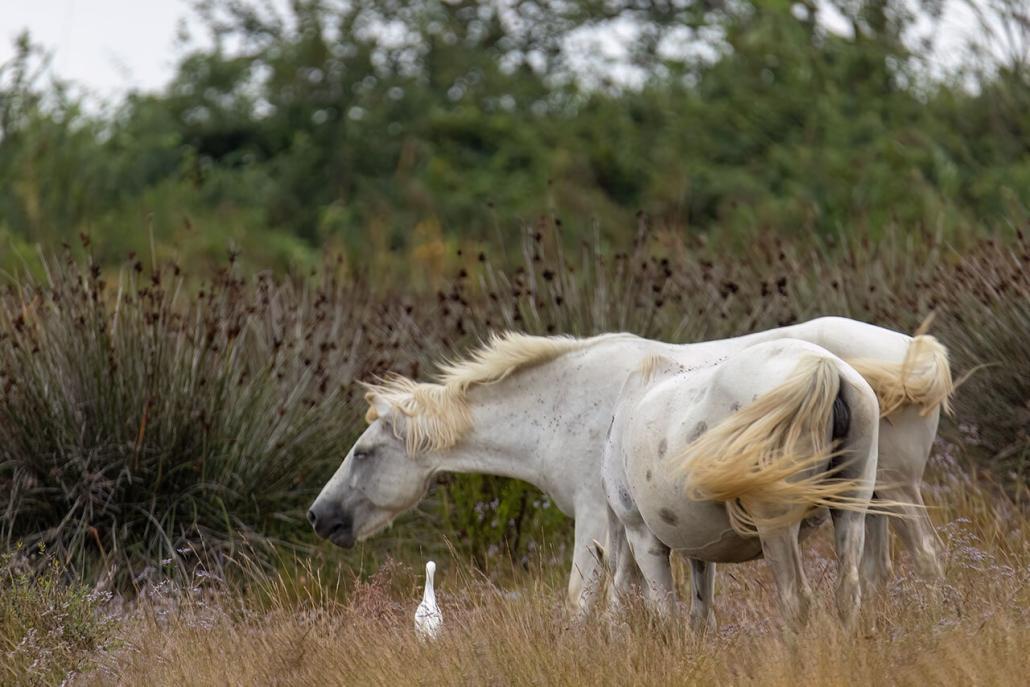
(500,455)
(545,425)
(502,441)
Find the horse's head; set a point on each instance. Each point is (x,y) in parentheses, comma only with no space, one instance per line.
(413,430)
(378,480)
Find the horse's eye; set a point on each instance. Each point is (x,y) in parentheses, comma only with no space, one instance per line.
(362,454)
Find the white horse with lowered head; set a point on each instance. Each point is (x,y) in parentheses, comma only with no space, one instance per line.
(537,409)
(723,463)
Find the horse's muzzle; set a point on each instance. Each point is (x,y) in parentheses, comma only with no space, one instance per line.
(332,522)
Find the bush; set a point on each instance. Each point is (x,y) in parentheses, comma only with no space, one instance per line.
(49,628)
(145,422)
(987,328)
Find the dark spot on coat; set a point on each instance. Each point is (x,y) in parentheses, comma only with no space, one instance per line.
(648,476)
(625,499)
(698,430)
(663,446)
(734,407)
(668,516)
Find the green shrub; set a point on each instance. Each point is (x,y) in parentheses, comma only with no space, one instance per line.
(144,422)
(49,628)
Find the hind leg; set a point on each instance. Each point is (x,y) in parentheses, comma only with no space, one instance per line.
(876,567)
(906,438)
(702,607)
(860,453)
(849,535)
(782,551)
(916,531)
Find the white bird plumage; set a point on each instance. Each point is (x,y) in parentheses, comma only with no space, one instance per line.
(428,618)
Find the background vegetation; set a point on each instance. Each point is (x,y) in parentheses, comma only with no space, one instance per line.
(195,279)
(149,426)
(395,130)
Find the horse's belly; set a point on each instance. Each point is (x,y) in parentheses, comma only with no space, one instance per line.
(698,529)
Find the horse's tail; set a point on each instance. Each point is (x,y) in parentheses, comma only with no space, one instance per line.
(761,453)
(922,378)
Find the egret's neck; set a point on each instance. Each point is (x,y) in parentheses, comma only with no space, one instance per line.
(429,595)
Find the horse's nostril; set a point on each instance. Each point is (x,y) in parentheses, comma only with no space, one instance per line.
(312,518)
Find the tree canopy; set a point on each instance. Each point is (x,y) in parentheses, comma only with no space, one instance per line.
(377,127)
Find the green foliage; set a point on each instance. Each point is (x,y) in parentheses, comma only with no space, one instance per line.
(320,127)
(492,517)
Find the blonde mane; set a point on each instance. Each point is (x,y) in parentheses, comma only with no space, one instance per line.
(437,413)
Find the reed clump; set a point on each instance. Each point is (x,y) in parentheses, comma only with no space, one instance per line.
(155,421)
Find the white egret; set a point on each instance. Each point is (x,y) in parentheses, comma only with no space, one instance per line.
(428,618)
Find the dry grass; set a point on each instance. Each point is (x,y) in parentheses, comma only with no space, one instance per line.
(973,629)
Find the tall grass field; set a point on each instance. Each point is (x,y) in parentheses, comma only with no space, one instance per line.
(163,430)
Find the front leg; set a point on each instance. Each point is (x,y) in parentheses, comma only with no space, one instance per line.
(619,559)
(702,607)
(585,576)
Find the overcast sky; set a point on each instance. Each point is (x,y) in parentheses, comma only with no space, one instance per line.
(112,46)
(109,46)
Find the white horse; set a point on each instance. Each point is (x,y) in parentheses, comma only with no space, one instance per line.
(537,409)
(702,460)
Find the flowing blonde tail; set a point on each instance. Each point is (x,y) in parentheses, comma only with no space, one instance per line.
(759,454)
(922,379)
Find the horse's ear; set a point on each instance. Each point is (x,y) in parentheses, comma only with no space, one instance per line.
(377,407)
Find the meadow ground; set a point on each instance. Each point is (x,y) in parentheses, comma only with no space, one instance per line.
(313,627)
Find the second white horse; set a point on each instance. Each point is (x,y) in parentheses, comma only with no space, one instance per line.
(723,462)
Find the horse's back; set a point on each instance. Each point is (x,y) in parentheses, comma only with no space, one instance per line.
(849,339)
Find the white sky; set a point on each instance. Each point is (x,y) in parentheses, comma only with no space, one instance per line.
(107,46)
(113,46)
